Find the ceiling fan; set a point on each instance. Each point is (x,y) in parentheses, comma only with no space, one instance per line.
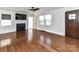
(33,9)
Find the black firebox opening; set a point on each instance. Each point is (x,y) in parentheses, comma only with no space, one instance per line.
(20,27)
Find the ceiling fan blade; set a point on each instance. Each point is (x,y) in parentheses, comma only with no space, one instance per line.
(30,9)
(33,9)
(36,9)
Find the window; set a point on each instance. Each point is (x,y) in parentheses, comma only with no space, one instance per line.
(72,16)
(48,19)
(6,17)
(45,20)
(41,18)
(6,20)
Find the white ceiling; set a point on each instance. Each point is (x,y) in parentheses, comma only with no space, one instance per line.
(25,9)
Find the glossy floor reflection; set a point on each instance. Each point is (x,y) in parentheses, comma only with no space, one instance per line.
(37,41)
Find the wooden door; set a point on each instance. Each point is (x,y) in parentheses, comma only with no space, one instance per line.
(77,24)
(71,23)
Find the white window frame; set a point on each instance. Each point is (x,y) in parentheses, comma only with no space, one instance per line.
(41,19)
(48,20)
(45,20)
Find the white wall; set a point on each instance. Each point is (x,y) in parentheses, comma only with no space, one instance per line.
(57,26)
(58,21)
(12,28)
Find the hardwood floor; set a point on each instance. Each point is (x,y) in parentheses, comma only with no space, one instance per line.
(37,41)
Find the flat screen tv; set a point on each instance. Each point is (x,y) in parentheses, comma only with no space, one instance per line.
(20,16)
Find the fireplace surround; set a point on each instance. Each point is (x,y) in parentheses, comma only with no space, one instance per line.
(20,27)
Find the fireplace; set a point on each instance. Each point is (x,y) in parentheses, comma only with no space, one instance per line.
(20,27)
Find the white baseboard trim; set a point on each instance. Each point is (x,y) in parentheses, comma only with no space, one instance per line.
(53,32)
(3,32)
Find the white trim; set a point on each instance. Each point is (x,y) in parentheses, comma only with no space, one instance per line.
(53,32)
(3,32)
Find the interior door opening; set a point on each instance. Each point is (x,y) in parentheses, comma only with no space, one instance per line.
(30,22)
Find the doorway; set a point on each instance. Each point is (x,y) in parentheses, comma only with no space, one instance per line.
(30,22)
(72,23)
